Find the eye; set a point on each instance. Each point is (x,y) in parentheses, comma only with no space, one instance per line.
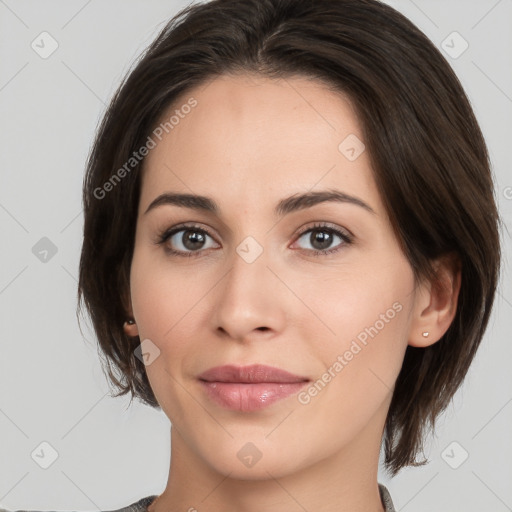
(191,240)
(184,240)
(321,237)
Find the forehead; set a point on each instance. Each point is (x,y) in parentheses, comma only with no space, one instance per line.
(251,138)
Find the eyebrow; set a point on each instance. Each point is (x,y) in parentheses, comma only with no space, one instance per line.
(284,206)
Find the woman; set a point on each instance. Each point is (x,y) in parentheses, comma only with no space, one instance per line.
(291,247)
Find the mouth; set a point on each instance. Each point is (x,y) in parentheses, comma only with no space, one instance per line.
(249,388)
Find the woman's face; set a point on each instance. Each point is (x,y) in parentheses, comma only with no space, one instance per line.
(319,289)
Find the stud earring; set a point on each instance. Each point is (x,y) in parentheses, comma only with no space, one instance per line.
(425,334)
(131,321)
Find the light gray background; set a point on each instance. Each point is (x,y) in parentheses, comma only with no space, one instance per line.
(51,384)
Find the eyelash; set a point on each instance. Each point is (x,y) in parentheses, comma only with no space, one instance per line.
(168,233)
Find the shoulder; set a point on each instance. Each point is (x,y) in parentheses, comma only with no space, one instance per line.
(137,506)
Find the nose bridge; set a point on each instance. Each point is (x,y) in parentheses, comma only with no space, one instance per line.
(249,275)
(249,299)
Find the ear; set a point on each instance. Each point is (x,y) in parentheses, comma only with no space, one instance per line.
(436,302)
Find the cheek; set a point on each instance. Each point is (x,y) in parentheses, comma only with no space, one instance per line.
(155,303)
(165,305)
(367,312)
(169,304)
(160,293)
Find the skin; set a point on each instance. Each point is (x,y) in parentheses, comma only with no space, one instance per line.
(248,143)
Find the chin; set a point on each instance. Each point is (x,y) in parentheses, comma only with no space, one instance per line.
(260,470)
(243,459)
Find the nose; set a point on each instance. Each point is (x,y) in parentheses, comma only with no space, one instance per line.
(250,301)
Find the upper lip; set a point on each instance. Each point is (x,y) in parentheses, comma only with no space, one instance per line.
(249,374)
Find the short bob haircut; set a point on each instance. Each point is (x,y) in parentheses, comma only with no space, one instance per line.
(428,156)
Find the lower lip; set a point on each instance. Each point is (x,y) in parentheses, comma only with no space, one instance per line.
(249,397)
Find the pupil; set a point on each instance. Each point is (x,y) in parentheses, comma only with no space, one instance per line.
(192,239)
(323,237)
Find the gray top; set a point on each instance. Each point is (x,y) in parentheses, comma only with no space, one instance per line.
(140,506)
(386,499)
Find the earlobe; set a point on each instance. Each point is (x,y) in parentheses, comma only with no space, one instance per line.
(436,303)
(130,328)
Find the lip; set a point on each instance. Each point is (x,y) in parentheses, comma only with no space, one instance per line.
(249,388)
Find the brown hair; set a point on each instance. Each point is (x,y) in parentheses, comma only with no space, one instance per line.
(428,154)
